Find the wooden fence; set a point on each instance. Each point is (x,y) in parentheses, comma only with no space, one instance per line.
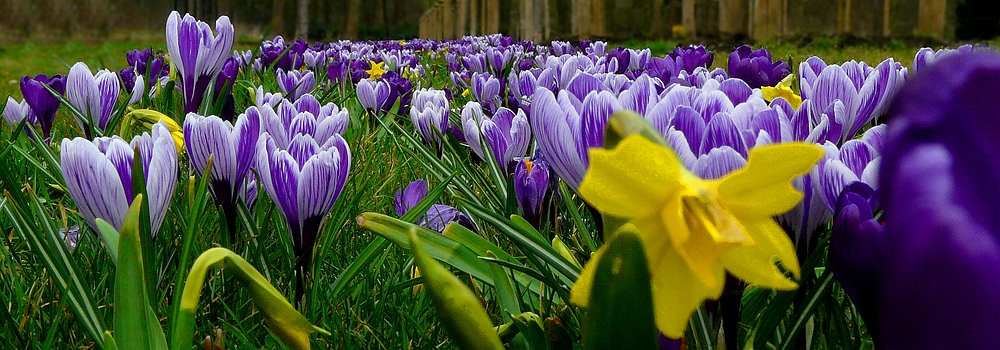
(621,19)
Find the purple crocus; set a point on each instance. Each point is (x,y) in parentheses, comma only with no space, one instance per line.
(197,53)
(233,148)
(93,95)
(939,286)
(98,175)
(429,114)
(855,259)
(42,103)
(850,95)
(295,83)
(925,56)
(14,112)
(507,134)
(283,120)
(303,167)
(437,217)
(692,57)
(486,90)
(375,96)
(566,128)
(755,67)
(531,187)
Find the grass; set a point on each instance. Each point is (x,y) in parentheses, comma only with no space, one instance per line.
(374,311)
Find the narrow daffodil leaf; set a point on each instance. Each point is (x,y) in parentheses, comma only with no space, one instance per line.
(620,308)
(457,307)
(131,303)
(508,297)
(110,237)
(564,251)
(281,318)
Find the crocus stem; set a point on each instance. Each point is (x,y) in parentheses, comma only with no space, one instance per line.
(729,305)
(229,211)
(301,266)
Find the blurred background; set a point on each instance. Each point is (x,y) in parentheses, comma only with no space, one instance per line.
(53,21)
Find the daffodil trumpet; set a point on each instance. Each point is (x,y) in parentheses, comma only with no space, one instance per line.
(694,230)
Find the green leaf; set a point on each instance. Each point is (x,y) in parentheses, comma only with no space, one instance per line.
(35,226)
(110,237)
(620,310)
(509,300)
(132,322)
(281,318)
(625,123)
(531,328)
(806,310)
(435,244)
(457,307)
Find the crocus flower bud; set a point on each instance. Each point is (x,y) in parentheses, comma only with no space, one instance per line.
(531,187)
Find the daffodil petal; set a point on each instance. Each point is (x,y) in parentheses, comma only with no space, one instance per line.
(631,180)
(580,294)
(677,292)
(755,263)
(763,188)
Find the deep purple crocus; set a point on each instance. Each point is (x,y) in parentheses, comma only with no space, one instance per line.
(295,83)
(437,217)
(939,287)
(41,100)
(92,95)
(692,57)
(531,187)
(98,175)
(756,68)
(855,259)
(224,83)
(197,53)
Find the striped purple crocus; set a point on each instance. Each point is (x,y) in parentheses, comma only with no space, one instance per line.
(295,83)
(303,166)
(375,96)
(233,149)
(565,128)
(197,53)
(14,112)
(94,96)
(429,113)
(507,134)
(98,175)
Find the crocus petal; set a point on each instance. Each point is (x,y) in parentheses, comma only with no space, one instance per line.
(93,183)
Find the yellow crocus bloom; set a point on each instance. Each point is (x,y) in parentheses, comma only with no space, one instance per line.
(783,90)
(694,229)
(376,70)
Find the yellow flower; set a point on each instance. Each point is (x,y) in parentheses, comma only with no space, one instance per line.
(376,71)
(784,90)
(693,229)
(147,117)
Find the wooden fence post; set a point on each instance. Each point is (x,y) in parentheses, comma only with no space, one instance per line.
(931,19)
(688,18)
(733,17)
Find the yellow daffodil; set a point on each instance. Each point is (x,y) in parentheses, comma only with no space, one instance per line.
(784,90)
(147,117)
(376,70)
(693,229)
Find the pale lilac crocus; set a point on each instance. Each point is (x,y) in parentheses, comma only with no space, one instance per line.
(98,175)
(197,53)
(14,112)
(92,95)
(374,96)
